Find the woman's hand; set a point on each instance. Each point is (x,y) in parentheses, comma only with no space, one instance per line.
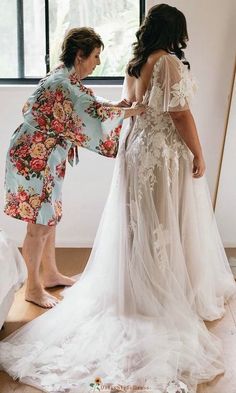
(199,166)
(136,109)
(139,108)
(123,104)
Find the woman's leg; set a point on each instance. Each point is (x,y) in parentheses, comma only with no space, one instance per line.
(32,251)
(51,276)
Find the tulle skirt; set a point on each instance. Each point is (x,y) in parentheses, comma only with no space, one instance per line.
(135,317)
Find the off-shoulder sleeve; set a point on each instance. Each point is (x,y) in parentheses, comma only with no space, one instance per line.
(175,82)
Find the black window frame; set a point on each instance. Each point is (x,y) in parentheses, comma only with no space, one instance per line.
(22,80)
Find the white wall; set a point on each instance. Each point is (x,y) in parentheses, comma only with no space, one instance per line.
(212,31)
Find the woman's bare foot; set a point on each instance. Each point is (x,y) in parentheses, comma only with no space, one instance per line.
(40,297)
(58,279)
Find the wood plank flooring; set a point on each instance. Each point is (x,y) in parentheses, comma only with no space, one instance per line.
(72,262)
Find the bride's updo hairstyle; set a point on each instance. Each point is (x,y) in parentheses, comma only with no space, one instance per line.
(163,28)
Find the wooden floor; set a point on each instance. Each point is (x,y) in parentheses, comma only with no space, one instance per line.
(72,262)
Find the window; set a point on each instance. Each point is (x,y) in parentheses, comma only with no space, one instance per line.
(32,32)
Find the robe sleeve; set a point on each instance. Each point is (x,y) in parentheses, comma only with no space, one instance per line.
(88,123)
(98,126)
(103,101)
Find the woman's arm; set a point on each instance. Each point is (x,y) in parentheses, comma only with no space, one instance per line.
(121,104)
(185,124)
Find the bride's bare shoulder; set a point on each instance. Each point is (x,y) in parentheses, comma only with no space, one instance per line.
(152,59)
(138,86)
(155,56)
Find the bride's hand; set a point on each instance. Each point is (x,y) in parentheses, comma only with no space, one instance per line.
(199,166)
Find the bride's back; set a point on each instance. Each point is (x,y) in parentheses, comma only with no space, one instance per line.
(137,87)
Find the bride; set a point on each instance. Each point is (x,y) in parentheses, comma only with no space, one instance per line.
(134,319)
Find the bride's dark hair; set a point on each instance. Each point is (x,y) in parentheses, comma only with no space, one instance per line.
(163,28)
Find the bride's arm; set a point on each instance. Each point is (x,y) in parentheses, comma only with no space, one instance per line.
(185,124)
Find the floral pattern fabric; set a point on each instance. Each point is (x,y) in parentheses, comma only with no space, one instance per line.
(59,117)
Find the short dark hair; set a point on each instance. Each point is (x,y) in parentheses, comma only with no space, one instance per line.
(83,38)
(163,28)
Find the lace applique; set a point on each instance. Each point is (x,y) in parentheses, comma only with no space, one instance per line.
(154,142)
(161,240)
(132,215)
(155,97)
(183,91)
(178,92)
(152,149)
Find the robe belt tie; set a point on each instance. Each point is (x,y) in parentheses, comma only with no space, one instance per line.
(73,155)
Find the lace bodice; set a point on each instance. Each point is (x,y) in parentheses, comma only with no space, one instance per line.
(153,140)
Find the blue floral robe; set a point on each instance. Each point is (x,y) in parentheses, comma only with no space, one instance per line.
(61,115)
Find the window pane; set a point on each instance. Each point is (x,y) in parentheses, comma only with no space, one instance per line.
(8,34)
(34,38)
(115,21)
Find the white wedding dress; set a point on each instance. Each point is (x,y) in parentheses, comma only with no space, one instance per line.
(157,269)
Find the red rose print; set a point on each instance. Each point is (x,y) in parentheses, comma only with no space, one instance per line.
(60,170)
(81,138)
(22,196)
(57,126)
(46,108)
(59,96)
(108,145)
(19,165)
(37,165)
(41,122)
(23,151)
(117,130)
(12,210)
(38,137)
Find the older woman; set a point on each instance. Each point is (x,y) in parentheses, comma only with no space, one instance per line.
(59,116)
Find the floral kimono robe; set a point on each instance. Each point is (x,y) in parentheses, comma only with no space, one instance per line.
(61,115)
